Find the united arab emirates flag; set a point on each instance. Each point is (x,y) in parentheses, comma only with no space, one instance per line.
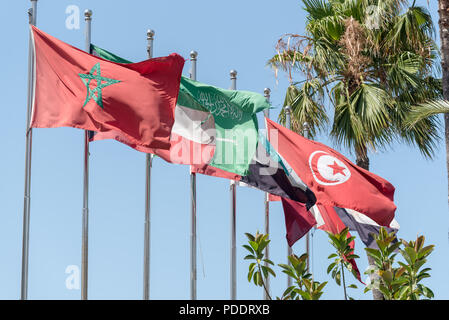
(268,172)
(212,126)
(75,89)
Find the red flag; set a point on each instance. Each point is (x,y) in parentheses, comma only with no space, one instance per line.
(214,172)
(334,179)
(333,224)
(76,89)
(298,220)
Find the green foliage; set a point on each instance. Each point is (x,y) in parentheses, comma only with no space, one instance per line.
(398,280)
(375,68)
(257,272)
(402,281)
(304,287)
(340,259)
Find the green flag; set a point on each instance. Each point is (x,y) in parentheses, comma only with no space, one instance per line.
(97,51)
(236,126)
(226,117)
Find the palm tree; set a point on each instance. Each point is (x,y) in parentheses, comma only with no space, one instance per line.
(368,61)
(425,110)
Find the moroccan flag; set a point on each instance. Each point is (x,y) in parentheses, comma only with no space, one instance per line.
(212,126)
(76,89)
(334,179)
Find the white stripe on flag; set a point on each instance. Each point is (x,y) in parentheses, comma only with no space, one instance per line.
(195,125)
(361,218)
(317,214)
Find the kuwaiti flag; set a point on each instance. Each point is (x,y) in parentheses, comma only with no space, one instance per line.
(334,179)
(212,125)
(75,89)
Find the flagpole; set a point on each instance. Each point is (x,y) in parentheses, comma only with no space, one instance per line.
(267,92)
(288,112)
(85,223)
(193,264)
(32,13)
(232,187)
(147,224)
(306,135)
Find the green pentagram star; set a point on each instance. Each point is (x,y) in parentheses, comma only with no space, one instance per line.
(95,93)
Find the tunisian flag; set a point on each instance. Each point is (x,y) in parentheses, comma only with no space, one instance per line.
(333,179)
(75,89)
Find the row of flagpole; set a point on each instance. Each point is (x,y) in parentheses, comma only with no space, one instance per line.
(148,165)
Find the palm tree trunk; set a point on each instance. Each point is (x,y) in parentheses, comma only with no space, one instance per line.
(443,10)
(362,161)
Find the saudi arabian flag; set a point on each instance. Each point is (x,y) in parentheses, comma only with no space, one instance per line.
(213,126)
(234,115)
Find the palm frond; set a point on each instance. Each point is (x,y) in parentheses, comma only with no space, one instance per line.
(425,110)
(362,119)
(306,103)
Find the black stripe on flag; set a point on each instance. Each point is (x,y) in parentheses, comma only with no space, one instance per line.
(268,174)
(365,230)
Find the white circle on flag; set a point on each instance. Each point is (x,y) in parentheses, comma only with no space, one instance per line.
(328,170)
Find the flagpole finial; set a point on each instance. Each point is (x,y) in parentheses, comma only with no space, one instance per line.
(266,91)
(150,34)
(193,54)
(288,109)
(30,15)
(233,74)
(306,126)
(87,14)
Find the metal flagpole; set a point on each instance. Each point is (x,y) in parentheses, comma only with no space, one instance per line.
(193,271)
(267,92)
(288,113)
(306,135)
(232,187)
(147,224)
(85,223)
(32,13)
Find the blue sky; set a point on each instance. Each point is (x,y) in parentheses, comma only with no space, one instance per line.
(228,35)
